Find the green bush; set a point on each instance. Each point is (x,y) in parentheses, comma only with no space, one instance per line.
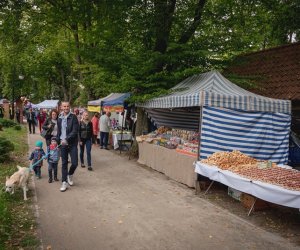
(5,218)
(17,127)
(7,123)
(6,146)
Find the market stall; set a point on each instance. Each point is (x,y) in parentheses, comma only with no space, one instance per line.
(226,116)
(114,103)
(95,105)
(178,167)
(119,137)
(263,179)
(48,104)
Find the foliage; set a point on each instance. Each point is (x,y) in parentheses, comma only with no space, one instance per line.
(7,123)
(17,127)
(15,214)
(80,50)
(5,148)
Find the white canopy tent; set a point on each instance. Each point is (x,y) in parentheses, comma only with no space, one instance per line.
(48,104)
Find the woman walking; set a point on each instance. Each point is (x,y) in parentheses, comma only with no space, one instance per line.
(85,139)
(51,126)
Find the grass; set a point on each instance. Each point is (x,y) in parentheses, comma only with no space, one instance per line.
(17,221)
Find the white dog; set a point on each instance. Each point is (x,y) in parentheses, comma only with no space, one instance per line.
(18,179)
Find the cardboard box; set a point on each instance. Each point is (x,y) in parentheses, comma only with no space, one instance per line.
(247,201)
(235,194)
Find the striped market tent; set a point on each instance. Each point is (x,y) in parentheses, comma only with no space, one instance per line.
(229,117)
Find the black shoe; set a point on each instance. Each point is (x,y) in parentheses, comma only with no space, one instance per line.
(90,168)
(55,178)
(82,165)
(101,147)
(107,148)
(50,180)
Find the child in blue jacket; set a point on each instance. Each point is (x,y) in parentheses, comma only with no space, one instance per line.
(36,158)
(53,159)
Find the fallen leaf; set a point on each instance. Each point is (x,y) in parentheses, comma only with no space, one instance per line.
(49,247)
(120,222)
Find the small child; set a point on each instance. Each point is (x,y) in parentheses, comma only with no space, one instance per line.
(36,155)
(53,159)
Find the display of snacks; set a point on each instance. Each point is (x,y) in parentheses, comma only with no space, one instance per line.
(188,149)
(185,142)
(248,167)
(162,130)
(225,160)
(287,178)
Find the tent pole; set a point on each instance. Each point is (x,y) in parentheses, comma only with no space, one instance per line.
(197,185)
(199,130)
(121,145)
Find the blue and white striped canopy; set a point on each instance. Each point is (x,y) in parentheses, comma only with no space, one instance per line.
(214,90)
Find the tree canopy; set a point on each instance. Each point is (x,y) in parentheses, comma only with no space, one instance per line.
(79,50)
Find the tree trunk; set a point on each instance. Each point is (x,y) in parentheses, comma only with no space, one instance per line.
(164,12)
(189,32)
(142,122)
(141,126)
(64,89)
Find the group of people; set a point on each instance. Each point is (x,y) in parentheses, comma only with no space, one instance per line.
(33,119)
(64,132)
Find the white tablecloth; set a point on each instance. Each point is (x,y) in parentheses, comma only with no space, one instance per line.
(117,137)
(262,190)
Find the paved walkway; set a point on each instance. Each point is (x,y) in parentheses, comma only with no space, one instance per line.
(121,205)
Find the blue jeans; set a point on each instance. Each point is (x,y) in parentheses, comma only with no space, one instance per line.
(73,151)
(88,144)
(104,139)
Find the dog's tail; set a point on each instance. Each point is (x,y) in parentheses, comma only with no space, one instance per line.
(19,167)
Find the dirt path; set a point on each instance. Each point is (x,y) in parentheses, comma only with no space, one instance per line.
(121,205)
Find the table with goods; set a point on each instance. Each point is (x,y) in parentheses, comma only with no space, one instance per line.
(262,179)
(170,151)
(120,138)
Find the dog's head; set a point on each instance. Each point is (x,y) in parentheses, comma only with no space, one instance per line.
(10,185)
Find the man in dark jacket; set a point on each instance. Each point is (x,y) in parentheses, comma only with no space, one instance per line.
(67,134)
(30,116)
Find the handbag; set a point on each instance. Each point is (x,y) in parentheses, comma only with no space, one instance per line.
(44,133)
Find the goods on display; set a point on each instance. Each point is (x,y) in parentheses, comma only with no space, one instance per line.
(253,169)
(226,160)
(185,142)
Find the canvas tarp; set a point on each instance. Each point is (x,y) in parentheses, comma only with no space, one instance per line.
(213,89)
(229,117)
(48,104)
(114,102)
(264,136)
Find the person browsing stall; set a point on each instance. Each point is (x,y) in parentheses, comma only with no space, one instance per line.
(105,125)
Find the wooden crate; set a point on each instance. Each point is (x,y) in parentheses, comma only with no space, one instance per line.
(247,201)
